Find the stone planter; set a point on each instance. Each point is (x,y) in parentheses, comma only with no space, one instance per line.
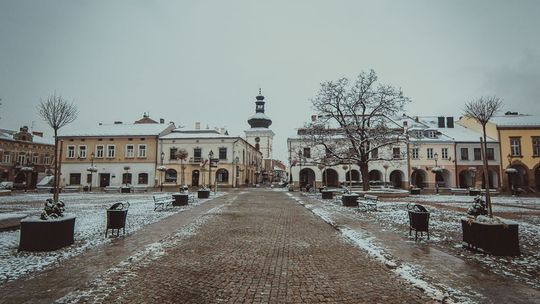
(125,190)
(350,200)
(327,194)
(496,239)
(415,191)
(180,199)
(474,192)
(46,235)
(203,193)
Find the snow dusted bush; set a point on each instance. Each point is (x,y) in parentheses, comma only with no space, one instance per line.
(52,210)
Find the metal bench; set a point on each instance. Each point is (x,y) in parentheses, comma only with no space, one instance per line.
(369,202)
(162,201)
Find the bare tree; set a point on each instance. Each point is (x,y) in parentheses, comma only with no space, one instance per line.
(354,120)
(482,110)
(57,112)
(182,155)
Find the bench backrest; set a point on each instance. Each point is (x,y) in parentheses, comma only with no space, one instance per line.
(161,197)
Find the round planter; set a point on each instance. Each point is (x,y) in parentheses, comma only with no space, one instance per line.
(350,200)
(203,193)
(327,194)
(40,235)
(180,199)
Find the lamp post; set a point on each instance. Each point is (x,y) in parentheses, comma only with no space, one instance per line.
(210,156)
(235,171)
(300,169)
(161,169)
(435,170)
(92,169)
(385,166)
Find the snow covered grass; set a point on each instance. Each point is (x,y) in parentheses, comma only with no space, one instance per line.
(446,232)
(90,210)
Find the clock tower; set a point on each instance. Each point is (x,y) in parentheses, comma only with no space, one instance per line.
(259,135)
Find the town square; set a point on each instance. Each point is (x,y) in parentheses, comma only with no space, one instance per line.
(284,152)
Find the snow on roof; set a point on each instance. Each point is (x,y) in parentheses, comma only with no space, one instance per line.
(458,133)
(259,116)
(117,130)
(519,120)
(35,139)
(195,133)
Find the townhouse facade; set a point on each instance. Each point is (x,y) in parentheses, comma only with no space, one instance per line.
(213,158)
(112,154)
(519,138)
(25,157)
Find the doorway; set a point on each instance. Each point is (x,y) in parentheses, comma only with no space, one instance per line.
(104,180)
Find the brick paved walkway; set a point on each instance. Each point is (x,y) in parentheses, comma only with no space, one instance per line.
(252,247)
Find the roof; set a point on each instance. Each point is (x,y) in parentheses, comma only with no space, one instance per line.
(116,130)
(458,133)
(8,135)
(195,133)
(519,120)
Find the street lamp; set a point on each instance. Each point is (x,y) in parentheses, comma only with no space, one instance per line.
(161,169)
(210,156)
(300,169)
(436,170)
(91,169)
(235,172)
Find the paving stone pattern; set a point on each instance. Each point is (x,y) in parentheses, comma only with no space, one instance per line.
(262,248)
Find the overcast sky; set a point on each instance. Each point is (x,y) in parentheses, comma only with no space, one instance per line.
(188,61)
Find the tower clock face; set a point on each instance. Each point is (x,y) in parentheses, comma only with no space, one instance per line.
(257,139)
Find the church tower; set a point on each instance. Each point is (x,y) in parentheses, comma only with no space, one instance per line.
(259,135)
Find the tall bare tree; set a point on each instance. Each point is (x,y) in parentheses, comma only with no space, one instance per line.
(57,112)
(482,110)
(355,119)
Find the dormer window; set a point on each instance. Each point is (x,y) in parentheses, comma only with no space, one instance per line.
(431,134)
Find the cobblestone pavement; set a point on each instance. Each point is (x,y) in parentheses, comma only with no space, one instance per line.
(256,247)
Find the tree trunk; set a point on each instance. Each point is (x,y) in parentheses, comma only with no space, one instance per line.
(486,171)
(56,173)
(364,170)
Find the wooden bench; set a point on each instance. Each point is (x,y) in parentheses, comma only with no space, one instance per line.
(162,201)
(139,189)
(369,202)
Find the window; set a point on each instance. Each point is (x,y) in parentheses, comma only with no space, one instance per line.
(197,153)
(490,152)
(21,158)
(100,151)
(130,151)
(222,176)
(142,179)
(111,151)
(222,153)
(375,153)
(70,151)
(75,179)
(172,153)
(515,146)
(477,154)
(307,153)
(396,153)
(444,153)
(7,157)
(170,176)
(142,151)
(82,151)
(464,153)
(431,134)
(536,146)
(126,178)
(429,153)
(414,153)
(35,158)
(46,159)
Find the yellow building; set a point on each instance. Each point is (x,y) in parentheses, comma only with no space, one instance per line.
(519,138)
(112,155)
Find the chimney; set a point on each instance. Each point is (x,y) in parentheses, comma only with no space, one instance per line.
(313,117)
(117,122)
(222,131)
(450,122)
(440,120)
(197,125)
(161,121)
